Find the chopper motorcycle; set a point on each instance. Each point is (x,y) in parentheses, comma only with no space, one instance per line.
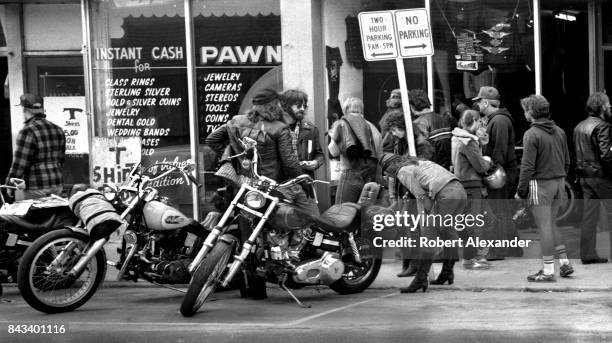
(286,246)
(22,222)
(62,270)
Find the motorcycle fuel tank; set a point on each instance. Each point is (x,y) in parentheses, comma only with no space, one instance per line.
(159,216)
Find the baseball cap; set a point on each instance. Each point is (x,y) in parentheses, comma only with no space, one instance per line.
(31,101)
(487,92)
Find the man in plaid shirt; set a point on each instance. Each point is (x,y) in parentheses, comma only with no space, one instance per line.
(39,151)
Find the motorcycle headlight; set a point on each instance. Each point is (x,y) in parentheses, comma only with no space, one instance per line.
(254,200)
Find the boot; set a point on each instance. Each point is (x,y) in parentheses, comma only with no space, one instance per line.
(409,268)
(420,281)
(446,275)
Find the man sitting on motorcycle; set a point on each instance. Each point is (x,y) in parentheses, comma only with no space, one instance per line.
(263,124)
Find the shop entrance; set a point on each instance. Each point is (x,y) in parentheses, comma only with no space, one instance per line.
(565,62)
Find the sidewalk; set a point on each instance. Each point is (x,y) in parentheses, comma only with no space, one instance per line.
(509,274)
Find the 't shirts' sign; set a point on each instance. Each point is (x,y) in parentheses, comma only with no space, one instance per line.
(389,35)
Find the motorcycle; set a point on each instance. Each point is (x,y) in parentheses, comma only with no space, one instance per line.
(63,269)
(22,222)
(286,246)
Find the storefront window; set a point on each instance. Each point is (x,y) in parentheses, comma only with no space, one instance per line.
(138,58)
(59,80)
(482,43)
(238,51)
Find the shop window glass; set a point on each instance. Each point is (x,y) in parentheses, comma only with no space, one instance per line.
(238,51)
(606,16)
(140,91)
(60,81)
(483,43)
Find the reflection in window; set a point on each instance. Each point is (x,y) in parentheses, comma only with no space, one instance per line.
(482,43)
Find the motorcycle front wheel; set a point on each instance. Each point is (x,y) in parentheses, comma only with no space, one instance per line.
(206,278)
(43,278)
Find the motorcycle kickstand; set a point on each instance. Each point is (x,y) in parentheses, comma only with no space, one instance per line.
(302,305)
(169,287)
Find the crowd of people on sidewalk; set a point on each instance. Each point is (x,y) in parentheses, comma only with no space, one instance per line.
(456,168)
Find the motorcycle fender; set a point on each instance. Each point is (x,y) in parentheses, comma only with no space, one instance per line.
(77,229)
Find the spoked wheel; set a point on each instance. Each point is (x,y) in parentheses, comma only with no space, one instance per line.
(206,278)
(43,278)
(359,276)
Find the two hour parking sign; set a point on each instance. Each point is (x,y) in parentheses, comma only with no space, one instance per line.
(389,35)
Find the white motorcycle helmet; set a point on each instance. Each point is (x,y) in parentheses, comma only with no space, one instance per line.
(497,178)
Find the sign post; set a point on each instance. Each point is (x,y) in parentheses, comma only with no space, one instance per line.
(397,35)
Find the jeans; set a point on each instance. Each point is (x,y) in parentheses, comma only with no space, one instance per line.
(39,193)
(451,199)
(351,183)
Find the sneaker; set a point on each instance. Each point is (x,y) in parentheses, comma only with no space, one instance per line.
(480,265)
(475,264)
(541,277)
(566,270)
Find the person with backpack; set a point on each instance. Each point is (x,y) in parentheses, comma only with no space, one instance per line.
(359,145)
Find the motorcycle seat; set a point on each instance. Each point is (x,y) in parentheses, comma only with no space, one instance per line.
(338,218)
(54,221)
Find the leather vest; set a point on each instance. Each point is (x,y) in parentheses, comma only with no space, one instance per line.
(587,150)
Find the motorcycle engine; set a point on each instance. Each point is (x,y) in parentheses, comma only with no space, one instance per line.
(325,270)
(172,271)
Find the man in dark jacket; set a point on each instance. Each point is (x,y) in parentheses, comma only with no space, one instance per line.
(543,170)
(500,129)
(593,142)
(304,135)
(434,127)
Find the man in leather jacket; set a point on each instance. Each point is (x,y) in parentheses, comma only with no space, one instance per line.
(593,142)
(304,134)
(262,123)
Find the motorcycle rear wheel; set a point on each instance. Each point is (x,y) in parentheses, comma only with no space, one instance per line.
(206,278)
(52,290)
(359,277)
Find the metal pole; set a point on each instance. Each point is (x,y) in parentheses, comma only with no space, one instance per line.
(88,75)
(401,75)
(430,67)
(194,135)
(537,46)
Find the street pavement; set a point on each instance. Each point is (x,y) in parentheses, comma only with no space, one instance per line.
(494,305)
(147,314)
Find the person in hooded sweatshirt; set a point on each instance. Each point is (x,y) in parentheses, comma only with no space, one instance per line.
(543,170)
(500,148)
(469,165)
